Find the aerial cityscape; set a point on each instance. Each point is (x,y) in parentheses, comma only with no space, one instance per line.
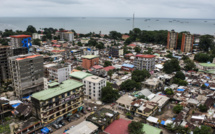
(105,72)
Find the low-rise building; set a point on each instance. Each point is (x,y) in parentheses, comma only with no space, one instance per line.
(127,67)
(124,102)
(57,101)
(89,60)
(147,108)
(161,100)
(93,86)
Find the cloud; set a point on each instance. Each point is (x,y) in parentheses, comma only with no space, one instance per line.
(108,8)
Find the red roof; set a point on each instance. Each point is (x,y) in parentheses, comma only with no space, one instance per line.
(20,36)
(55,45)
(118,127)
(132,45)
(109,68)
(32,56)
(145,56)
(97,67)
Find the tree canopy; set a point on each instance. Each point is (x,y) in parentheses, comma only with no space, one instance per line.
(206,42)
(171,66)
(130,85)
(137,49)
(204,57)
(169,91)
(203,130)
(140,75)
(109,95)
(115,35)
(36,42)
(107,63)
(31,29)
(177,109)
(135,128)
(180,75)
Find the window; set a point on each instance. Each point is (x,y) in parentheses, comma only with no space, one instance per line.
(68,93)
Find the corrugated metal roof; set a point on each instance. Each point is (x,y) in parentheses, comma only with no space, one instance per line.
(80,75)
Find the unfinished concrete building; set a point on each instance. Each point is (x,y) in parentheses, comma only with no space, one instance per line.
(26,74)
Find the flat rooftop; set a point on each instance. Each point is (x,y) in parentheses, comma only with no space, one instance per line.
(84,127)
(94,79)
(80,75)
(90,56)
(62,88)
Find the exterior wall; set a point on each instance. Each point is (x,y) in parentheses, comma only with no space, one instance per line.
(58,106)
(45,81)
(93,90)
(144,63)
(172,40)
(121,53)
(88,63)
(60,74)
(187,43)
(127,69)
(145,114)
(27,75)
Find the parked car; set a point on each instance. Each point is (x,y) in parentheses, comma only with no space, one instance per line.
(76,115)
(62,123)
(59,125)
(55,126)
(50,129)
(89,108)
(69,119)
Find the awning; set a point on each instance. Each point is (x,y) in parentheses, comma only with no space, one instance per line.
(45,130)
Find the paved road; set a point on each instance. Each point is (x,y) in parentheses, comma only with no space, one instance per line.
(61,130)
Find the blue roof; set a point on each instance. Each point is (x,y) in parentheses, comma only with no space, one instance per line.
(180,90)
(128,65)
(16,105)
(26,97)
(110,57)
(162,122)
(45,130)
(206,84)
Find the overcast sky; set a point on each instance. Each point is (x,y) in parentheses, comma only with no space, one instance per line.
(108,8)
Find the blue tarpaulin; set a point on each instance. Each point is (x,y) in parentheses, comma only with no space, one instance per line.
(128,65)
(173,119)
(180,90)
(26,97)
(16,105)
(207,77)
(88,49)
(71,51)
(162,122)
(206,84)
(45,130)
(109,57)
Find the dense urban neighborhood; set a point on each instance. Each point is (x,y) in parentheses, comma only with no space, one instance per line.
(143,82)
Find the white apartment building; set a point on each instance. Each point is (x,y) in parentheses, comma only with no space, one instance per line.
(93,85)
(144,62)
(59,73)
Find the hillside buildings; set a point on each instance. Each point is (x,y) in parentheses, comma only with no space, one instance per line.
(187,42)
(144,62)
(58,101)
(89,60)
(172,40)
(26,74)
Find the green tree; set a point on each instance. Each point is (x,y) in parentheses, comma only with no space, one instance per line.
(109,95)
(80,44)
(177,109)
(130,85)
(206,42)
(115,35)
(141,97)
(203,130)
(203,108)
(135,128)
(36,42)
(110,73)
(180,75)
(137,49)
(107,63)
(189,65)
(169,91)
(140,75)
(203,57)
(171,66)
(31,29)
(100,45)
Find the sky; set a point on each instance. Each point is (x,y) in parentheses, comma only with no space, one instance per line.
(108,8)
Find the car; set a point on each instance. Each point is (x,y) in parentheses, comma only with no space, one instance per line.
(59,125)
(50,129)
(89,108)
(95,108)
(69,119)
(55,126)
(62,123)
(76,115)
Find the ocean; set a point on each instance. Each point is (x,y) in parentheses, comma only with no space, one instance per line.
(123,25)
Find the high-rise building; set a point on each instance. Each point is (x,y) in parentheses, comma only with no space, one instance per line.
(187,42)
(16,41)
(89,60)
(65,35)
(5,53)
(93,87)
(144,62)
(57,101)
(26,74)
(172,40)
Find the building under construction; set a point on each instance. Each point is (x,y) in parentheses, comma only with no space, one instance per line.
(26,74)
(5,53)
